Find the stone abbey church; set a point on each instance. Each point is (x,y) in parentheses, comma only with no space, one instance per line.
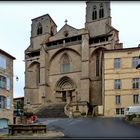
(65,66)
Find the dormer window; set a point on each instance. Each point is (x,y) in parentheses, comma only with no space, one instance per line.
(39,29)
(101,11)
(94,13)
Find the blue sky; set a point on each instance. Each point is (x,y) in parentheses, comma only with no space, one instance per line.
(15,26)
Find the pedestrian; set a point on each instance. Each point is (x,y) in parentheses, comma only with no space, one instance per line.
(33,118)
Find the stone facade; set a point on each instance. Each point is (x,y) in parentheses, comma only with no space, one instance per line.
(6,87)
(120,95)
(66,65)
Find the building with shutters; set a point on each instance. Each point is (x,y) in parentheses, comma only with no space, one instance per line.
(6,88)
(66,66)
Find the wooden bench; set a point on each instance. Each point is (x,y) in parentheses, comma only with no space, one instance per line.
(26,128)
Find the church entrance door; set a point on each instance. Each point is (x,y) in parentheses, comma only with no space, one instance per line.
(67,96)
(64,96)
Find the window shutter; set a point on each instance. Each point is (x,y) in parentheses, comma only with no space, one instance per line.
(7,83)
(8,102)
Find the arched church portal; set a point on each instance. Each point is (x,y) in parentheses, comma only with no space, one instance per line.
(65,89)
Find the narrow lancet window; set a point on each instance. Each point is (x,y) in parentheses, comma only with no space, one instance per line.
(101,11)
(39,29)
(94,13)
(65,63)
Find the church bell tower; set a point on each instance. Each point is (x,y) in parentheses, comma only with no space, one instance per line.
(97,17)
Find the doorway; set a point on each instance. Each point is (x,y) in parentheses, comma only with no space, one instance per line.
(64,96)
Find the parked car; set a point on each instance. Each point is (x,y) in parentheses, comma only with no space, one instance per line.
(131,112)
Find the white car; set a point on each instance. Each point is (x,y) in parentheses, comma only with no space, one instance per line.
(131,110)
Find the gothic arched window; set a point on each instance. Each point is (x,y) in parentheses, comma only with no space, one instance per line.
(101,11)
(52,31)
(39,29)
(94,13)
(65,63)
(97,64)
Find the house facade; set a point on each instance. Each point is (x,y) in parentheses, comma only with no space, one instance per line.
(6,88)
(121,80)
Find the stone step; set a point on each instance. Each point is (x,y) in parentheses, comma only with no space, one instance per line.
(52,111)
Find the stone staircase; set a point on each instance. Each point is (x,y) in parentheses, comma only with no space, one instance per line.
(52,110)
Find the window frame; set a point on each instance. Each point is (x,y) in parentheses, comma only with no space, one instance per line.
(119,111)
(117,84)
(2,62)
(118,99)
(135,62)
(2,102)
(65,63)
(97,65)
(136,99)
(4,82)
(117,63)
(39,29)
(135,83)
(101,11)
(94,13)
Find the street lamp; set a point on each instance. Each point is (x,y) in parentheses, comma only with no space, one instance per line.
(16,77)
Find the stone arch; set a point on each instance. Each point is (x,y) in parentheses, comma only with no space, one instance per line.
(65,88)
(33,63)
(96,62)
(95,51)
(61,50)
(65,83)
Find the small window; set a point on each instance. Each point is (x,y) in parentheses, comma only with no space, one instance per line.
(135,62)
(117,63)
(94,13)
(8,103)
(136,99)
(119,111)
(2,62)
(2,102)
(2,82)
(39,29)
(117,84)
(7,83)
(101,11)
(135,83)
(65,63)
(52,31)
(118,101)
(97,64)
